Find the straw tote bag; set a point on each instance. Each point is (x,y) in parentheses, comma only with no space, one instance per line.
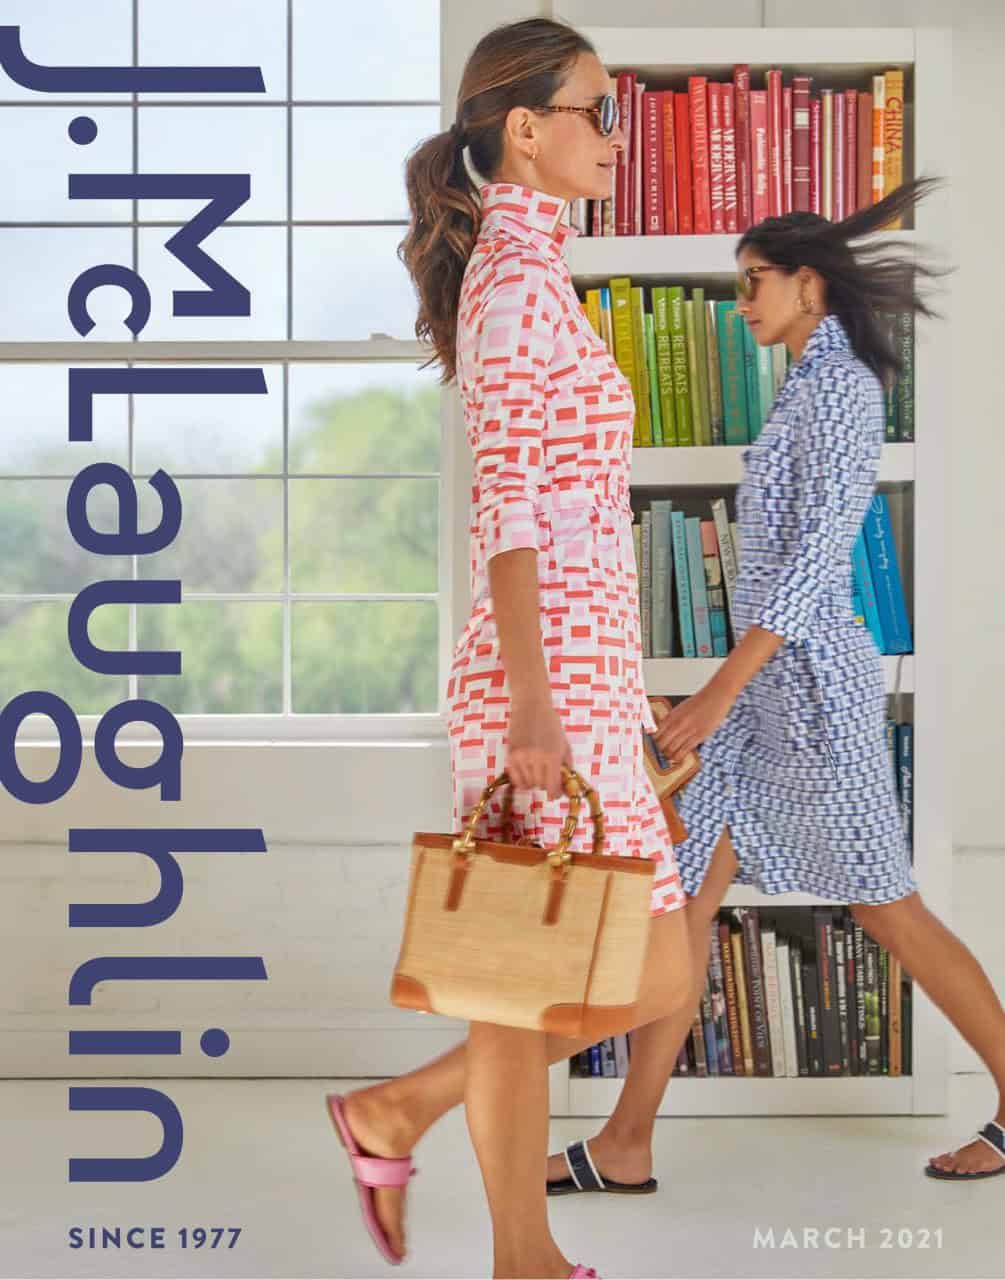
(523,936)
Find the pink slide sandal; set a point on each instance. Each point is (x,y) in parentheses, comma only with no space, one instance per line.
(369,1172)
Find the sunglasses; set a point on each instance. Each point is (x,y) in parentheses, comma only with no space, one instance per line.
(746,281)
(605,115)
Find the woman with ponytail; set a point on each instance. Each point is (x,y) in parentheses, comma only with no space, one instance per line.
(548,668)
(796,792)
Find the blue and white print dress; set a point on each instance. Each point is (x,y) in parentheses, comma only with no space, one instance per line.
(799,769)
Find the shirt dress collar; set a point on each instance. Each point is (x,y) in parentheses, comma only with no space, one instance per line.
(531,216)
(828,337)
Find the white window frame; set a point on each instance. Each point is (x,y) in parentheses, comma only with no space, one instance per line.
(455,479)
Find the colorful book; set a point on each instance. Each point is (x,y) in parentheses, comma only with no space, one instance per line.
(654,385)
(699,593)
(662,578)
(681,382)
(732,361)
(683,578)
(641,365)
(886,576)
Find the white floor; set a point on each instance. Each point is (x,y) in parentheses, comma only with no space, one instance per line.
(261,1155)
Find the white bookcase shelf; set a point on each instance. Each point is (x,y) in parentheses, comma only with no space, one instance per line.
(838,57)
(594,259)
(677,677)
(721,466)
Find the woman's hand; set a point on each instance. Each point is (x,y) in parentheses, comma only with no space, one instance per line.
(537,747)
(686,726)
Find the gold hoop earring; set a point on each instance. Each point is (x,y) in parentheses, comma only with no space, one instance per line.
(534,156)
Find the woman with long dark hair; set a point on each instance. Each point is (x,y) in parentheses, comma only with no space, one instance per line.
(796,791)
(548,669)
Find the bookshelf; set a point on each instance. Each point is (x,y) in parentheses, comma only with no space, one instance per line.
(843,57)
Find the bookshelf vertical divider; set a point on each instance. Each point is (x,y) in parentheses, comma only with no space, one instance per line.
(920,470)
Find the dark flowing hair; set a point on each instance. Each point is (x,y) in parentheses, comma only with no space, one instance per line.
(863,283)
(519,64)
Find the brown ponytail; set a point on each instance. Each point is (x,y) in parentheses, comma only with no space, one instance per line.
(521,64)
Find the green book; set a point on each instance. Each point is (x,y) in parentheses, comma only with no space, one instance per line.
(734,382)
(697,436)
(753,381)
(678,347)
(664,364)
(714,373)
(641,365)
(624,348)
(766,379)
(654,380)
(701,363)
(905,385)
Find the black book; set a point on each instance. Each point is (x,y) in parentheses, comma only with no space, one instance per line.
(814,1044)
(842,991)
(823,929)
(852,992)
(906,1029)
(860,996)
(872,1029)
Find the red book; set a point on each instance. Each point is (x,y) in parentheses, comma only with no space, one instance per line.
(716,178)
(851,152)
(864,161)
(816,156)
(801,144)
(774,91)
(638,161)
(697,87)
(838,153)
(729,155)
(760,208)
(787,150)
(623,187)
(682,138)
(670,222)
(744,204)
(652,178)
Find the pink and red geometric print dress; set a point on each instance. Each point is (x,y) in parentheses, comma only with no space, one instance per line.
(549,417)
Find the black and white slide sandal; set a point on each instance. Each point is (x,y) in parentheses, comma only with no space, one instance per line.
(584,1176)
(994,1135)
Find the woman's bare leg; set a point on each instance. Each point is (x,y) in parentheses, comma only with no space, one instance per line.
(388,1119)
(506,1105)
(953,980)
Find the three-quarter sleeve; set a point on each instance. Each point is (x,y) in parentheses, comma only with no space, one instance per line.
(830,448)
(513,339)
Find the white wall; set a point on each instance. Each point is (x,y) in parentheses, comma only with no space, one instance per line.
(324,905)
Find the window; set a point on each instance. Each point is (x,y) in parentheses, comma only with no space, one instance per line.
(312,531)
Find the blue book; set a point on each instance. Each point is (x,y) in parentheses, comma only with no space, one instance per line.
(862,579)
(905,770)
(699,594)
(683,577)
(886,577)
(595,1066)
(661,571)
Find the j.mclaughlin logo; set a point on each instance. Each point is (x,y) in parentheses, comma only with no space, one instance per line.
(226,296)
